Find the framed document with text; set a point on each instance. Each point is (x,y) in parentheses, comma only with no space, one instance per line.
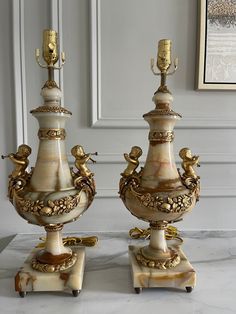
(217,45)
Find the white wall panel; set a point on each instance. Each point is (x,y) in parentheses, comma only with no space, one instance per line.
(125,36)
(126,85)
(7,114)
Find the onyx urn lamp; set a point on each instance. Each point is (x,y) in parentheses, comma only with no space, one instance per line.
(159,193)
(51,194)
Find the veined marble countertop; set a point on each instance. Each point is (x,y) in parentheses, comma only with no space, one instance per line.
(107,286)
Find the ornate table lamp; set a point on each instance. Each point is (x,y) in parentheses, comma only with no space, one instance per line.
(159,193)
(51,194)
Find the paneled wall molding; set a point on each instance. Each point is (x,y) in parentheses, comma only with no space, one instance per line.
(19,62)
(56,24)
(205,158)
(187,123)
(99,121)
(206,191)
(19,71)
(95,43)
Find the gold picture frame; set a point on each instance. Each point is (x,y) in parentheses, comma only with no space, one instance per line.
(216,66)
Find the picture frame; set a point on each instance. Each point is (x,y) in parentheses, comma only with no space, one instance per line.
(216,66)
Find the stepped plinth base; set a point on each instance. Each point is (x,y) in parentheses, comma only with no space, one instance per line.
(28,279)
(182,276)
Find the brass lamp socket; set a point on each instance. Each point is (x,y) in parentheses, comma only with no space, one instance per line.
(50,47)
(164,55)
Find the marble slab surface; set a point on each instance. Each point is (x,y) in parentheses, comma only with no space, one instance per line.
(107,286)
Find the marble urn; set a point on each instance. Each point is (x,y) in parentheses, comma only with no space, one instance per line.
(51,194)
(159,193)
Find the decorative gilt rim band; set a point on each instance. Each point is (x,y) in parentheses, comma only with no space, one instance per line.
(54,109)
(51,134)
(159,225)
(161,136)
(53,228)
(162,112)
(50,268)
(171,262)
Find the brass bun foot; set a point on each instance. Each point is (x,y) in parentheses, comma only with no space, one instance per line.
(47,267)
(164,263)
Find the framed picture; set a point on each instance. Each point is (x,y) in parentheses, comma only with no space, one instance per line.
(217,45)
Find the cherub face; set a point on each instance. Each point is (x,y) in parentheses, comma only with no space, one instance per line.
(185,152)
(136,151)
(24,150)
(80,151)
(77,151)
(188,154)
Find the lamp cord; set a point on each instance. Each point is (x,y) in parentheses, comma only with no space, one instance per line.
(139,233)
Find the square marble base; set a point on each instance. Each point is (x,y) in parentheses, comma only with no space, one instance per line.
(181,276)
(28,279)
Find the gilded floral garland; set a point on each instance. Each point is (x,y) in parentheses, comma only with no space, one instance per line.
(47,208)
(175,204)
(59,206)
